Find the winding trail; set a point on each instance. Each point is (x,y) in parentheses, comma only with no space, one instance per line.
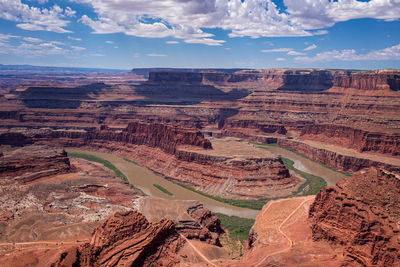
(198,251)
(290,242)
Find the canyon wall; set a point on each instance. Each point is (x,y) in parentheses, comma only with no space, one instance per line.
(157,135)
(357,139)
(181,155)
(378,80)
(363,221)
(334,159)
(286,79)
(41,161)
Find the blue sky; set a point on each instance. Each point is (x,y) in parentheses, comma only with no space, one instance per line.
(125,34)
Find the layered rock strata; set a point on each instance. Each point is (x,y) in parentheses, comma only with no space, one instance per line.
(181,155)
(361,214)
(127,239)
(33,162)
(335,159)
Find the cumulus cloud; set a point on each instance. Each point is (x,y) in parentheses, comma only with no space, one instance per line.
(109,42)
(281,59)
(36,19)
(325,13)
(311,47)
(389,53)
(190,19)
(172,42)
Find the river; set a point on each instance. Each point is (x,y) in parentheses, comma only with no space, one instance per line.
(144,179)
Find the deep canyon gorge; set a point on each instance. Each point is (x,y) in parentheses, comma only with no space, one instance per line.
(298,150)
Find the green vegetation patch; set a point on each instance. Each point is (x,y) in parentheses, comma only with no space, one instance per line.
(162,189)
(314,182)
(106,163)
(131,161)
(238,227)
(250,204)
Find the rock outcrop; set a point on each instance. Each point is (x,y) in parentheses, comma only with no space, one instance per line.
(127,239)
(34,162)
(362,214)
(59,198)
(375,81)
(158,135)
(335,159)
(14,139)
(357,139)
(184,156)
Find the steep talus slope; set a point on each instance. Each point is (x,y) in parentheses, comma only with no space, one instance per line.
(362,214)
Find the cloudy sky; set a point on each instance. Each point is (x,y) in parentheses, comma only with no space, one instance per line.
(125,34)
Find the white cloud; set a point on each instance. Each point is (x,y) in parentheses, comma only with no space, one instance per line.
(172,42)
(389,53)
(206,41)
(295,53)
(311,47)
(276,50)
(109,42)
(32,39)
(74,38)
(97,55)
(36,19)
(325,13)
(190,19)
(187,19)
(156,55)
(280,59)
(34,47)
(78,48)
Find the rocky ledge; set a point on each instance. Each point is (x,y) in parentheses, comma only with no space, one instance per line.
(127,239)
(33,162)
(362,214)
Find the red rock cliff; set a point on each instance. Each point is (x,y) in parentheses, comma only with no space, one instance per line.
(33,162)
(127,239)
(358,139)
(362,214)
(369,81)
(158,135)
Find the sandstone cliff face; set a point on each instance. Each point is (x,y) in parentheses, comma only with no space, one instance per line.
(369,81)
(14,139)
(159,135)
(33,162)
(354,138)
(127,239)
(168,150)
(362,214)
(333,159)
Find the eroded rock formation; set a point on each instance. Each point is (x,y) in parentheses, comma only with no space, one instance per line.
(127,239)
(362,214)
(33,162)
(182,155)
